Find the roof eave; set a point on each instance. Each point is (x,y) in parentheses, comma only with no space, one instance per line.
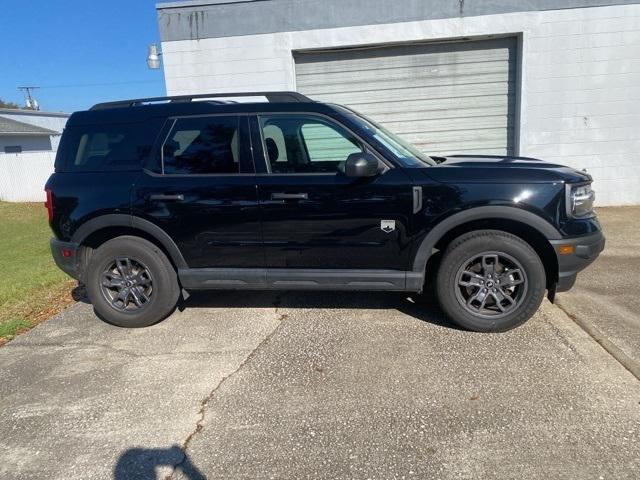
(28,134)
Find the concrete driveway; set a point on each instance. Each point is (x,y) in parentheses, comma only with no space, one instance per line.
(605,300)
(311,385)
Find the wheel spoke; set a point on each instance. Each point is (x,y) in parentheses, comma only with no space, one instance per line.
(480,296)
(470,279)
(500,297)
(138,296)
(142,278)
(112,281)
(123,296)
(489,263)
(511,278)
(124,267)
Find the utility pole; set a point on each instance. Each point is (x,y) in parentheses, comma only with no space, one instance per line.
(30,102)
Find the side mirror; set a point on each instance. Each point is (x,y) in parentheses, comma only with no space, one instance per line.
(361,165)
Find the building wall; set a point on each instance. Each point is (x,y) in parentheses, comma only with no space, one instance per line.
(580,78)
(52,121)
(27,142)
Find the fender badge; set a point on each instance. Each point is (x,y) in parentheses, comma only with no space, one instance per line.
(387,226)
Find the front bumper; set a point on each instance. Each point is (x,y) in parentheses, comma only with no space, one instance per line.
(65,254)
(585,250)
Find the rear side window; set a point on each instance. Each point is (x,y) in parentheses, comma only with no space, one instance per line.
(97,148)
(203,145)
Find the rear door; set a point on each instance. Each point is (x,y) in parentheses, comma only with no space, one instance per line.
(202,192)
(315,217)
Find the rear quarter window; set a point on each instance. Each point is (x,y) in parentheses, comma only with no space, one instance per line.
(108,147)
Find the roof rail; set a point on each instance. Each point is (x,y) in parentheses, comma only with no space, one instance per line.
(272,97)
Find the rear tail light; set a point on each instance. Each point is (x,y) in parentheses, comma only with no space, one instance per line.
(49,204)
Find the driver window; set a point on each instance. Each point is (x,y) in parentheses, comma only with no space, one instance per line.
(306,144)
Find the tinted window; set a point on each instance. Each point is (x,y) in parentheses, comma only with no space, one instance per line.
(306,144)
(92,148)
(325,144)
(202,145)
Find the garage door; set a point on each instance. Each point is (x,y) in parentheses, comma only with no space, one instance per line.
(444,98)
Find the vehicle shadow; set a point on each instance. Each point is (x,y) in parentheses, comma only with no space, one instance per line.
(141,464)
(420,307)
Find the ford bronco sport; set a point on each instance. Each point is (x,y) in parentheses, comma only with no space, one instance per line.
(153,198)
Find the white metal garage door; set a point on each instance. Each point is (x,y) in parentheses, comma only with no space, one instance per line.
(456,97)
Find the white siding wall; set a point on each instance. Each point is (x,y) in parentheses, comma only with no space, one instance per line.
(27,142)
(23,175)
(580,98)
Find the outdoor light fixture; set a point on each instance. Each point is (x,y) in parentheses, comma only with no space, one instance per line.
(153,58)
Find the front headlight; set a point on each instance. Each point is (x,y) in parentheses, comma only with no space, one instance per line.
(580,200)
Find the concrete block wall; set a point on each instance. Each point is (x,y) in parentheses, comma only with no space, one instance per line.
(580,78)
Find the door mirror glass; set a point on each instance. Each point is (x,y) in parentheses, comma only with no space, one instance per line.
(361,164)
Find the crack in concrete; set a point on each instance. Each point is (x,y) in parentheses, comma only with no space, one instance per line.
(205,402)
(606,344)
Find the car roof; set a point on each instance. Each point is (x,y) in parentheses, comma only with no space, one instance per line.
(134,111)
(145,112)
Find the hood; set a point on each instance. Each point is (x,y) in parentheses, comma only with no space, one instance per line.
(502,169)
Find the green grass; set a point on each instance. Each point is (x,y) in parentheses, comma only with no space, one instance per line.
(31,286)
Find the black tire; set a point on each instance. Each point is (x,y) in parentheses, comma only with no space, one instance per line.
(153,277)
(467,261)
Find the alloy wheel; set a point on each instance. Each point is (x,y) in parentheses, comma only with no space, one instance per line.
(126,284)
(491,284)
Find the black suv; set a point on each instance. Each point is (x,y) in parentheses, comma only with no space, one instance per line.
(153,198)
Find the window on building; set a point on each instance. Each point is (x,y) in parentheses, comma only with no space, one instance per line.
(306,144)
(203,145)
(12,149)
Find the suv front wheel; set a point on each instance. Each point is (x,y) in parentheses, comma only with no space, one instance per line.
(131,282)
(490,281)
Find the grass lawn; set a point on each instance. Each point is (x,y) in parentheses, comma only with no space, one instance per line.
(32,288)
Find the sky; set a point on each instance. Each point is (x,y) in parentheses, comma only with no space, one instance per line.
(80,52)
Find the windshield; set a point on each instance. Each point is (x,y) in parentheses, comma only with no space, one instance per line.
(408,155)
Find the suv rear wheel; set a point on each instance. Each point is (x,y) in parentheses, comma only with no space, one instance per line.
(131,282)
(490,281)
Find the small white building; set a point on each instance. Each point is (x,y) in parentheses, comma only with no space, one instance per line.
(28,144)
(558,80)
(30,130)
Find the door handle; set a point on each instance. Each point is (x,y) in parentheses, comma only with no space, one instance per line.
(289,196)
(166,197)
(417,199)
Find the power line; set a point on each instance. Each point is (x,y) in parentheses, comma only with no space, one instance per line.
(106,84)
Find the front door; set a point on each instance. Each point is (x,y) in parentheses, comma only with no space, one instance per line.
(203,192)
(315,217)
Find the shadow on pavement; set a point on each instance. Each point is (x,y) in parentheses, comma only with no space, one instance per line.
(421,308)
(141,463)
